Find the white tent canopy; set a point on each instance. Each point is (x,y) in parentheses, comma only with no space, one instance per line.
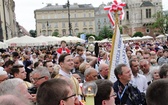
(3,45)
(72,39)
(49,39)
(147,37)
(161,36)
(25,41)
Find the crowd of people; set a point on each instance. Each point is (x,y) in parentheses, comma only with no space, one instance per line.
(54,75)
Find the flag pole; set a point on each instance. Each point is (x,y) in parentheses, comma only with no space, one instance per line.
(113,41)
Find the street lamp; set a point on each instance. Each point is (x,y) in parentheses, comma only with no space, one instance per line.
(89,90)
(69,21)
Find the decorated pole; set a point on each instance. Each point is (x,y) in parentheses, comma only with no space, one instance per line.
(117,54)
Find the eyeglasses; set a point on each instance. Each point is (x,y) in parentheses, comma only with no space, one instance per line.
(114,94)
(36,79)
(69,97)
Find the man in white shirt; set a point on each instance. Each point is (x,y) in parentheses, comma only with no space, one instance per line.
(67,64)
(138,80)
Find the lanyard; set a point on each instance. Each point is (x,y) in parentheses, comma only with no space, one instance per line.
(120,96)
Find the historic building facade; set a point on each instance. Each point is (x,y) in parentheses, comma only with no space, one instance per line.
(54,18)
(139,16)
(8,23)
(101,18)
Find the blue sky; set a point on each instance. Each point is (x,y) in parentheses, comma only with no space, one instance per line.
(24,9)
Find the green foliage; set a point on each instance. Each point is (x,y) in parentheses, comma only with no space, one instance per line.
(121,30)
(55,34)
(138,34)
(106,32)
(33,33)
(161,22)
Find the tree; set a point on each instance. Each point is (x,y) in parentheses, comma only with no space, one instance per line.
(55,34)
(106,32)
(138,34)
(33,33)
(161,22)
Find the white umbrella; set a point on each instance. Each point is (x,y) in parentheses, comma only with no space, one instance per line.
(160,36)
(72,39)
(147,37)
(136,38)
(26,41)
(50,40)
(3,45)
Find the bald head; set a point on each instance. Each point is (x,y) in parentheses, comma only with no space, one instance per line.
(90,74)
(104,70)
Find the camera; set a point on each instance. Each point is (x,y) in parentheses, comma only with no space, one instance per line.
(32,90)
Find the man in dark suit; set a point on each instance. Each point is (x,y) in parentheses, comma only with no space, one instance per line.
(103,71)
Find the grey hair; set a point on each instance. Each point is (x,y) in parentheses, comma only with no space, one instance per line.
(88,71)
(154,68)
(9,86)
(42,71)
(144,60)
(12,100)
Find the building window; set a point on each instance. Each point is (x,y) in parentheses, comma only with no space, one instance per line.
(43,32)
(63,32)
(63,25)
(127,15)
(90,23)
(104,20)
(84,15)
(56,25)
(147,30)
(85,30)
(90,15)
(76,24)
(43,26)
(55,16)
(76,31)
(63,16)
(98,20)
(98,26)
(49,32)
(48,16)
(84,23)
(91,30)
(43,17)
(148,13)
(75,15)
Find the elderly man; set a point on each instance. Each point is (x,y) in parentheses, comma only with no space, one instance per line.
(40,75)
(145,68)
(103,71)
(90,74)
(126,92)
(12,100)
(15,87)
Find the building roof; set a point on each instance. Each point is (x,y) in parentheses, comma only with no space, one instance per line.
(63,7)
(146,4)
